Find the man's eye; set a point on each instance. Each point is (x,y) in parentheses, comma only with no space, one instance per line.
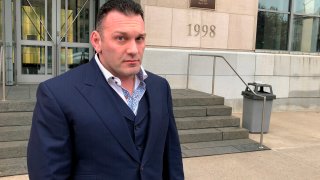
(140,38)
(120,38)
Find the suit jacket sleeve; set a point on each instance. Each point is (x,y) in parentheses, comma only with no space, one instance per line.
(49,149)
(173,167)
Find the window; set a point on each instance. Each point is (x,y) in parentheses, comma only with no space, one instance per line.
(273,27)
(305,23)
(289,25)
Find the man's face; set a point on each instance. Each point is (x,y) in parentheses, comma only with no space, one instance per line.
(120,43)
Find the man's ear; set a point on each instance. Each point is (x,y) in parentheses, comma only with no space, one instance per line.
(95,40)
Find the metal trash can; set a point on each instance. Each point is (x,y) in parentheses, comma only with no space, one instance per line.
(252,107)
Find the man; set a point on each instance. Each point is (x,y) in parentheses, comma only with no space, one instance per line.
(107,119)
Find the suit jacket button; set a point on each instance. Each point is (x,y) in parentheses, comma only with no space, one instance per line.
(141,168)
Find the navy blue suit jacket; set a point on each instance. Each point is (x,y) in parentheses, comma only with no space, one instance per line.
(78,132)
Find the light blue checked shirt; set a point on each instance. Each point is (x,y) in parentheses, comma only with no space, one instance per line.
(139,89)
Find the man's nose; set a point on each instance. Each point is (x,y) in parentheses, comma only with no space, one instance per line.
(132,48)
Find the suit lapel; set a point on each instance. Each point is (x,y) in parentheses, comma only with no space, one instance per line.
(100,96)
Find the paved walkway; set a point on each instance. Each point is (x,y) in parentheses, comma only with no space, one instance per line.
(294,138)
(19,92)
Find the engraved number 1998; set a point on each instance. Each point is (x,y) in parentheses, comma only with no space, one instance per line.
(196,29)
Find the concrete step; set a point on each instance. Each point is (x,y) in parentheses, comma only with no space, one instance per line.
(212,134)
(14,133)
(15,118)
(197,101)
(230,133)
(196,111)
(182,97)
(13,166)
(219,147)
(13,149)
(189,111)
(207,122)
(199,135)
(17,106)
(219,110)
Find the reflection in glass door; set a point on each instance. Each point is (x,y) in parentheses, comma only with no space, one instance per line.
(35,40)
(74,33)
(53,38)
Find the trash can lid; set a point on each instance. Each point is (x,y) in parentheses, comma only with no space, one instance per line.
(250,95)
(260,89)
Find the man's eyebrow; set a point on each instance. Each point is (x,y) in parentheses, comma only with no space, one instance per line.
(124,33)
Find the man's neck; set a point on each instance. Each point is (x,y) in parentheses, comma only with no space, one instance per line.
(128,84)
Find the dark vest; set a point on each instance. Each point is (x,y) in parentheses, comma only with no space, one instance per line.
(137,124)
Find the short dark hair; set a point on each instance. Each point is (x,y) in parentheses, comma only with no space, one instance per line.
(127,7)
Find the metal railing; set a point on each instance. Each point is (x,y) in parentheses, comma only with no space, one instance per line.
(2,66)
(218,56)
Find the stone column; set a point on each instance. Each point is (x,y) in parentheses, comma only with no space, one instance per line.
(8,45)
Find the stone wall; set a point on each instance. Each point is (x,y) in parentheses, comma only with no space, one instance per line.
(295,78)
(171,23)
(171,38)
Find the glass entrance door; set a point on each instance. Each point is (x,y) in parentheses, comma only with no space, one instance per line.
(52,37)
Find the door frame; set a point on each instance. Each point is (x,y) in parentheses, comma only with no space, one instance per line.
(55,42)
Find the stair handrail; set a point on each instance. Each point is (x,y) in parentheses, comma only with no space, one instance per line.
(2,64)
(222,57)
